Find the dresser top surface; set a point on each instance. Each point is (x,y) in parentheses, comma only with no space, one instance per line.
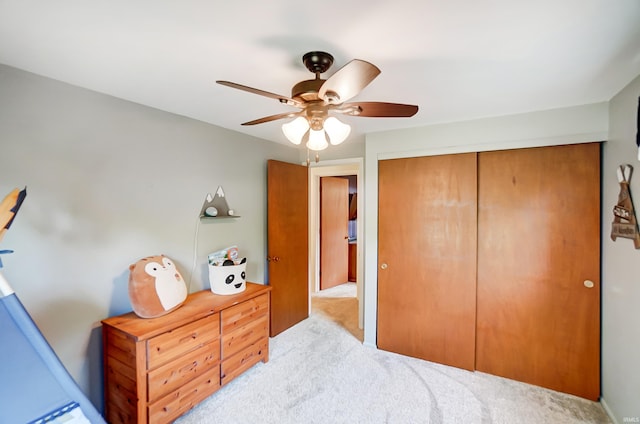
(197,305)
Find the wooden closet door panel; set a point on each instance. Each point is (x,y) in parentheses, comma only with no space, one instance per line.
(538,241)
(427,247)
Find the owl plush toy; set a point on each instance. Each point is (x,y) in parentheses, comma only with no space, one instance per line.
(155,286)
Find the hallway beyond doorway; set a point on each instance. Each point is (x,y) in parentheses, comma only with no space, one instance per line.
(340,304)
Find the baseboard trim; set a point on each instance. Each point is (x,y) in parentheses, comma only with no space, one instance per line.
(608,411)
(373,345)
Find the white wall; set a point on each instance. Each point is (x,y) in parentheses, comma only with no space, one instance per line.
(621,267)
(110,182)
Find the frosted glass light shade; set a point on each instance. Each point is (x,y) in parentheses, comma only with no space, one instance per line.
(296,129)
(336,130)
(317,140)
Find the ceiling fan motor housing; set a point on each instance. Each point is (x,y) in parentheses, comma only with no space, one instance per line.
(317,62)
(316,114)
(307,90)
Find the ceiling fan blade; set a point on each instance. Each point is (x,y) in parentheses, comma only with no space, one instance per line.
(281,99)
(378,109)
(348,81)
(272,118)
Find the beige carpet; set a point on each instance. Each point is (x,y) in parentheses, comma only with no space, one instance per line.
(319,372)
(340,305)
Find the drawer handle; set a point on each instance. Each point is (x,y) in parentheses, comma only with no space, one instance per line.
(191,336)
(189,367)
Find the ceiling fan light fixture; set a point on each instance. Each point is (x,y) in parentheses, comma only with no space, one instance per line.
(317,140)
(296,129)
(315,98)
(337,130)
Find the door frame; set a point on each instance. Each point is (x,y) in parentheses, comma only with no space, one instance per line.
(335,168)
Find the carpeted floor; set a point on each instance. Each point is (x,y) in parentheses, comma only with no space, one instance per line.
(340,305)
(319,372)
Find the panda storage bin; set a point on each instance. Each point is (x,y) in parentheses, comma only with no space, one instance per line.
(227,280)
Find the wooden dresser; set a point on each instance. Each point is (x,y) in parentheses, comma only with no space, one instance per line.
(157,369)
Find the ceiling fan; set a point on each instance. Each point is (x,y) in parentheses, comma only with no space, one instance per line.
(318,99)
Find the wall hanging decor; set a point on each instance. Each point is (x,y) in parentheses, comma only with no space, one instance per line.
(9,208)
(624,218)
(216,206)
(638,129)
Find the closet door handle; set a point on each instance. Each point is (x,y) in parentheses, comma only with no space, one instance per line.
(588,284)
(383,266)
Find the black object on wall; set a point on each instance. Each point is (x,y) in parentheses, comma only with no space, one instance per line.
(638,130)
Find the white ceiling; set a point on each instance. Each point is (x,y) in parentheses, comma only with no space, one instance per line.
(455,59)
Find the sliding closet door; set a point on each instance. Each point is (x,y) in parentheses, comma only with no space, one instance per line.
(538,267)
(427,258)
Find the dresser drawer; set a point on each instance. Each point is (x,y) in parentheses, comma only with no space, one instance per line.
(122,390)
(238,315)
(173,405)
(121,346)
(177,342)
(174,374)
(244,336)
(243,360)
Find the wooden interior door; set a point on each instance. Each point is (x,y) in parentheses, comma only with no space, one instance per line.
(334,231)
(287,244)
(538,253)
(427,225)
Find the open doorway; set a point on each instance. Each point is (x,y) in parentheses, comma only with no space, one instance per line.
(343,302)
(340,304)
